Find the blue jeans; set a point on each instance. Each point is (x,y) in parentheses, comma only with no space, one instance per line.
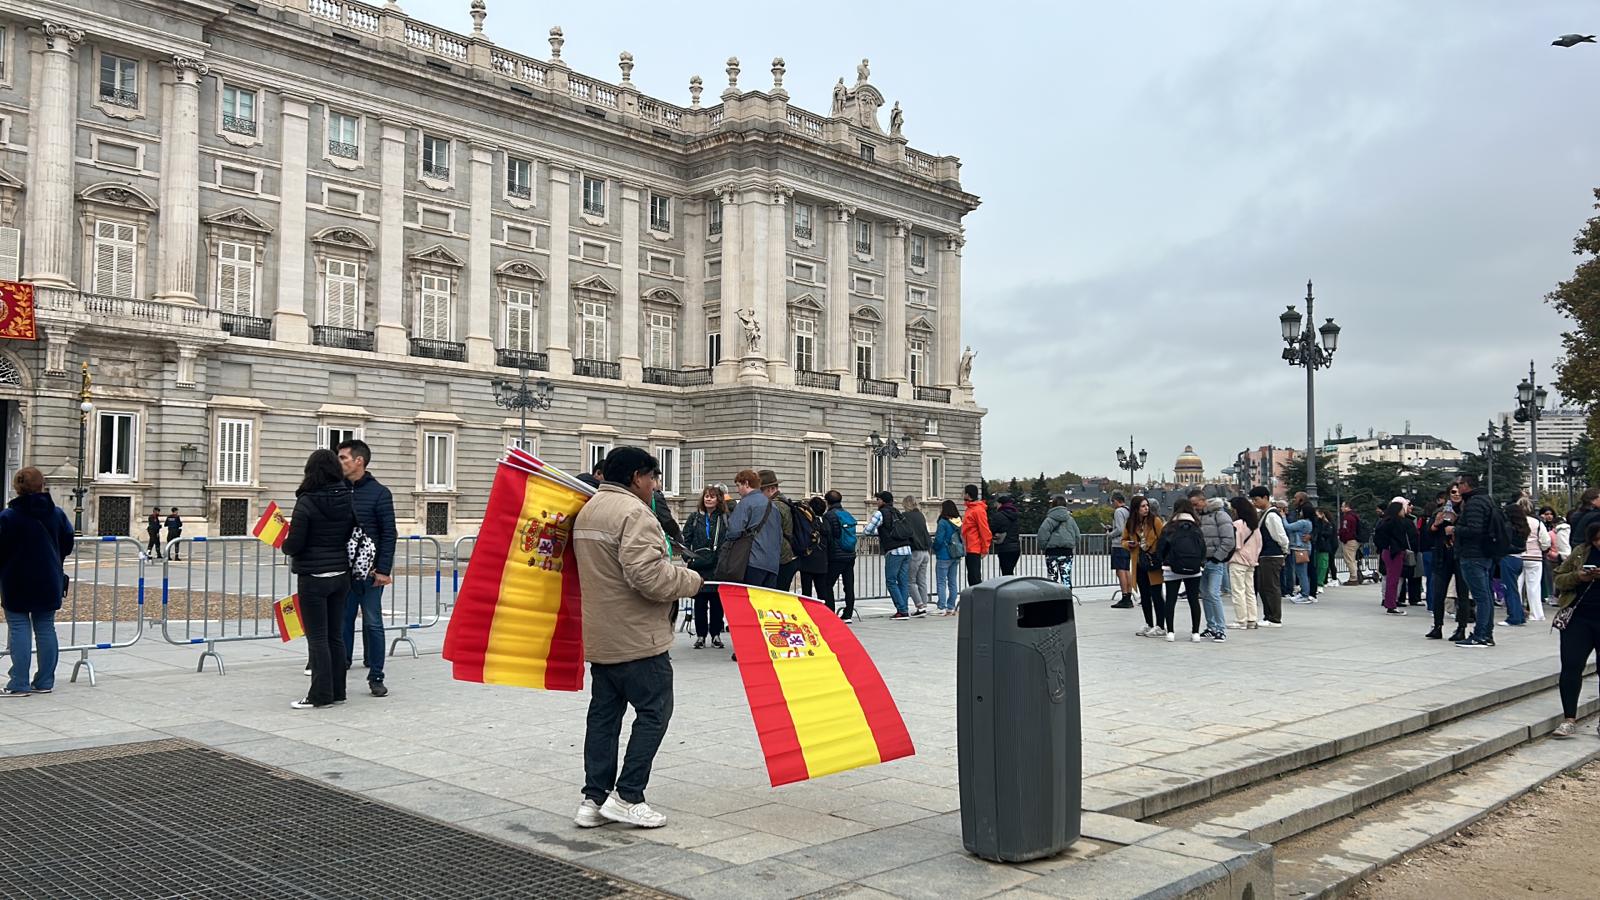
(1476,572)
(1427,578)
(1511,578)
(1299,575)
(947,581)
(1211,579)
(24,631)
(368,598)
(897,573)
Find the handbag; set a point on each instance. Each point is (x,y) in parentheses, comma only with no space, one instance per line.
(735,558)
(1411,559)
(1302,555)
(362,553)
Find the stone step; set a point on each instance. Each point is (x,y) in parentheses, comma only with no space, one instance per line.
(1328,862)
(1278,809)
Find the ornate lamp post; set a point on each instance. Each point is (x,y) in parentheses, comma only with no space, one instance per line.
(85,407)
(1573,469)
(1531,399)
(518,396)
(1131,461)
(1304,350)
(1489,444)
(888,450)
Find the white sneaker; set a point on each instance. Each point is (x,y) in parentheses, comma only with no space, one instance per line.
(1143,632)
(1171,637)
(588,815)
(1194,638)
(304,703)
(638,814)
(1267,624)
(1156,631)
(1236,625)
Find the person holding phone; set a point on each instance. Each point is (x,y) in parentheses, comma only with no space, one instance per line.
(1578,618)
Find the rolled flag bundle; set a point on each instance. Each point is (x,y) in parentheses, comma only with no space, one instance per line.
(819,704)
(271,528)
(518,617)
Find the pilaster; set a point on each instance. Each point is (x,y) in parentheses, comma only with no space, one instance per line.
(894,303)
(558,340)
(838,359)
(51,156)
(777,297)
(391,330)
(755,224)
(479,289)
(949,341)
(628,308)
(289,310)
(694,283)
(180,182)
(732,274)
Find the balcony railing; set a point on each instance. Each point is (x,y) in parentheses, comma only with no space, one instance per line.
(522,359)
(864,247)
(247,326)
(592,208)
(824,380)
(597,368)
(877,388)
(343,150)
(920,262)
(802,232)
(519,191)
(119,97)
(431,349)
(715,227)
(238,124)
(677,377)
(343,338)
(442,173)
(934,394)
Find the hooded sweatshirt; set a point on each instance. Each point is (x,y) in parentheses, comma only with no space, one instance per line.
(1058,533)
(975,531)
(35,537)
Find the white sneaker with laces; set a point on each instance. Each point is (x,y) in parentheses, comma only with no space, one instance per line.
(588,815)
(1194,638)
(1171,636)
(1565,730)
(637,814)
(1143,632)
(303,703)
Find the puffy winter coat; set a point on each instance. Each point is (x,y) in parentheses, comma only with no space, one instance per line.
(35,537)
(319,531)
(1216,526)
(1004,522)
(1058,532)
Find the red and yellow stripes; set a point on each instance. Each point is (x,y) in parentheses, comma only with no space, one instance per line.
(291,623)
(271,528)
(518,618)
(819,704)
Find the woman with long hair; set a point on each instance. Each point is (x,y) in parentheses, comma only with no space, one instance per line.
(948,552)
(703,534)
(318,541)
(1527,536)
(1578,616)
(814,581)
(1140,536)
(1242,565)
(1535,553)
(1392,538)
(1182,552)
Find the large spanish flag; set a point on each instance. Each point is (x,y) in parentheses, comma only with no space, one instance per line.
(518,617)
(819,704)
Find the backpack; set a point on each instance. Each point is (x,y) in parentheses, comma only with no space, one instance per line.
(806,538)
(1186,549)
(847,529)
(1498,540)
(1363,530)
(896,525)
(955,546)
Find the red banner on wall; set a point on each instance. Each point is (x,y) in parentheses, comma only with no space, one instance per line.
(16,311)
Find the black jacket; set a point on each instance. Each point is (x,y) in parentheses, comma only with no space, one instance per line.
(35,537)
(1472,529)
(1395,535)
(319,531)
(1004,521)
(669,525)
(887,539)
(375,511)
(703,535)
(1580,521)
(153,525)
(920,539)
(837,552)
(174,526)
(816,562)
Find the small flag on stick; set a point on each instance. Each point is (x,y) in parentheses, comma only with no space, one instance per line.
(290,623)
(271,527)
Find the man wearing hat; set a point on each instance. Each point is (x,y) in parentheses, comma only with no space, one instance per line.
(787,564)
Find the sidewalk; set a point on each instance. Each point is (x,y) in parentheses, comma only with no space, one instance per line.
(507,762)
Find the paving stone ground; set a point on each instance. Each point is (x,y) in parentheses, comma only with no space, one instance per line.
(507,762)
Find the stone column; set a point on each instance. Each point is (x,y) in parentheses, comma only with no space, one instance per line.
(180,183)
(732,274)
(391,262)
(754,222)
(693,328)
(51,153)
(479,289)
(838,356)
(628,306)
(948,345)
(289,312)
(777,298)
(894,305)
(558,333)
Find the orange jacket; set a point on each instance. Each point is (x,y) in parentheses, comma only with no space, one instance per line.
(975,532)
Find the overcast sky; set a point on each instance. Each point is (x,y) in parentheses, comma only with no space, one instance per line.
(1160,179)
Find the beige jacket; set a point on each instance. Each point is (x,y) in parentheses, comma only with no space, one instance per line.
(627,580)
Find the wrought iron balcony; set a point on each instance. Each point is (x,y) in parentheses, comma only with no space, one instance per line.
(247,326)
(864,247)
(714,228)
(519,191)
(431,349)
(934,394)
(522,359)
(343,150)
(597,368)
(343,338)
(677,377)
(920,262)
(802,232)
(120,97)
(238,124)
(824,380)
(877,388)
(594,209)
(442,173)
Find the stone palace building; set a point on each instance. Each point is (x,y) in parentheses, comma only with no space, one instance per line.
(267,226)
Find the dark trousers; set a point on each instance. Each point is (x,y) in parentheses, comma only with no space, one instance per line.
(646,685)
(322,607)
(1269,587)
(1008,561)
(708,613)
(366,598)
(846,569)
(1579,639)
(153,548)
(1149,600)
(974,569)
(755,577)
(786,573)
(1191,589)
(172,537)
(817,586)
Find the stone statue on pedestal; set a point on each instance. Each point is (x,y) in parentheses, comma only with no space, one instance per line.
(840,92)
(964,376)
(863,72)
(752,331)
(897,120)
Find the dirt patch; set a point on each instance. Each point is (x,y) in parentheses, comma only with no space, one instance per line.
(1541,844)
(122,605)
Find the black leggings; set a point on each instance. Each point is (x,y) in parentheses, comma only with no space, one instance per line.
(1008,561)
(1149,601)
(974,569)
(1579,639)
(1191,587)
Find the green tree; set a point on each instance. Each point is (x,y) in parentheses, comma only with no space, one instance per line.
(1014,489)
(1510,469)
(1035,505)
(1093,519)
(1578,299)
(1328,486)
(1379,482)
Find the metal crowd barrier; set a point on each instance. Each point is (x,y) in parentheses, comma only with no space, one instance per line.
(229,586)
(1091,565)
(92,596)
(411,575)
(460,555)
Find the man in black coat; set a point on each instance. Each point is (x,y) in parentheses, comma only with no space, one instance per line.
(174,531)
(375,514)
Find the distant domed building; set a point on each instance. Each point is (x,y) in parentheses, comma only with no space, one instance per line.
(1189,470)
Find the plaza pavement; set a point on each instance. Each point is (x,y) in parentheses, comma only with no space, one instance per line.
(507,761)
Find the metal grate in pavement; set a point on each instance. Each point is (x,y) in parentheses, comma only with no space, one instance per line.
(169,819)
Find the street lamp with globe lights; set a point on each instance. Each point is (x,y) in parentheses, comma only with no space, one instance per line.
(1531,400)
(517,395)
(85,407)
(1489,444)
(1131,461)
(1312,349)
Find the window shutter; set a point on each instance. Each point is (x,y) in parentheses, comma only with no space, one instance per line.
(10,254)
(697,470)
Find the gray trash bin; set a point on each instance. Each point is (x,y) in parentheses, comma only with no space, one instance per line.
(1019,729)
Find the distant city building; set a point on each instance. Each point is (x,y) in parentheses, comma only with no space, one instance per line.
(1557,428)
(1414,450)
(1553,478)
(1264,466)
(1189,470)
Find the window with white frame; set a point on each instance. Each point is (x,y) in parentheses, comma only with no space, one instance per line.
(917,360)
(10,253)
(115,253)
(344,135)
(667,458)
(919,250)
(341,294)
(804,355)
(594,196)
(713,340)
(802,221)
(119,441)
(660,213)
(433,308)
(933,478)
(865,339)
(519,178)
(4,33)
(878,474)
(521,320)
(435,157)
(714,218)
(595,453)
(529,444)
(864,237)
(438,461)
(697,471)
(661,342)
(593,331)
(235,447)
(331,436)
(816,471)
(236,278)
(119,80)
(917,296)
(238,110)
